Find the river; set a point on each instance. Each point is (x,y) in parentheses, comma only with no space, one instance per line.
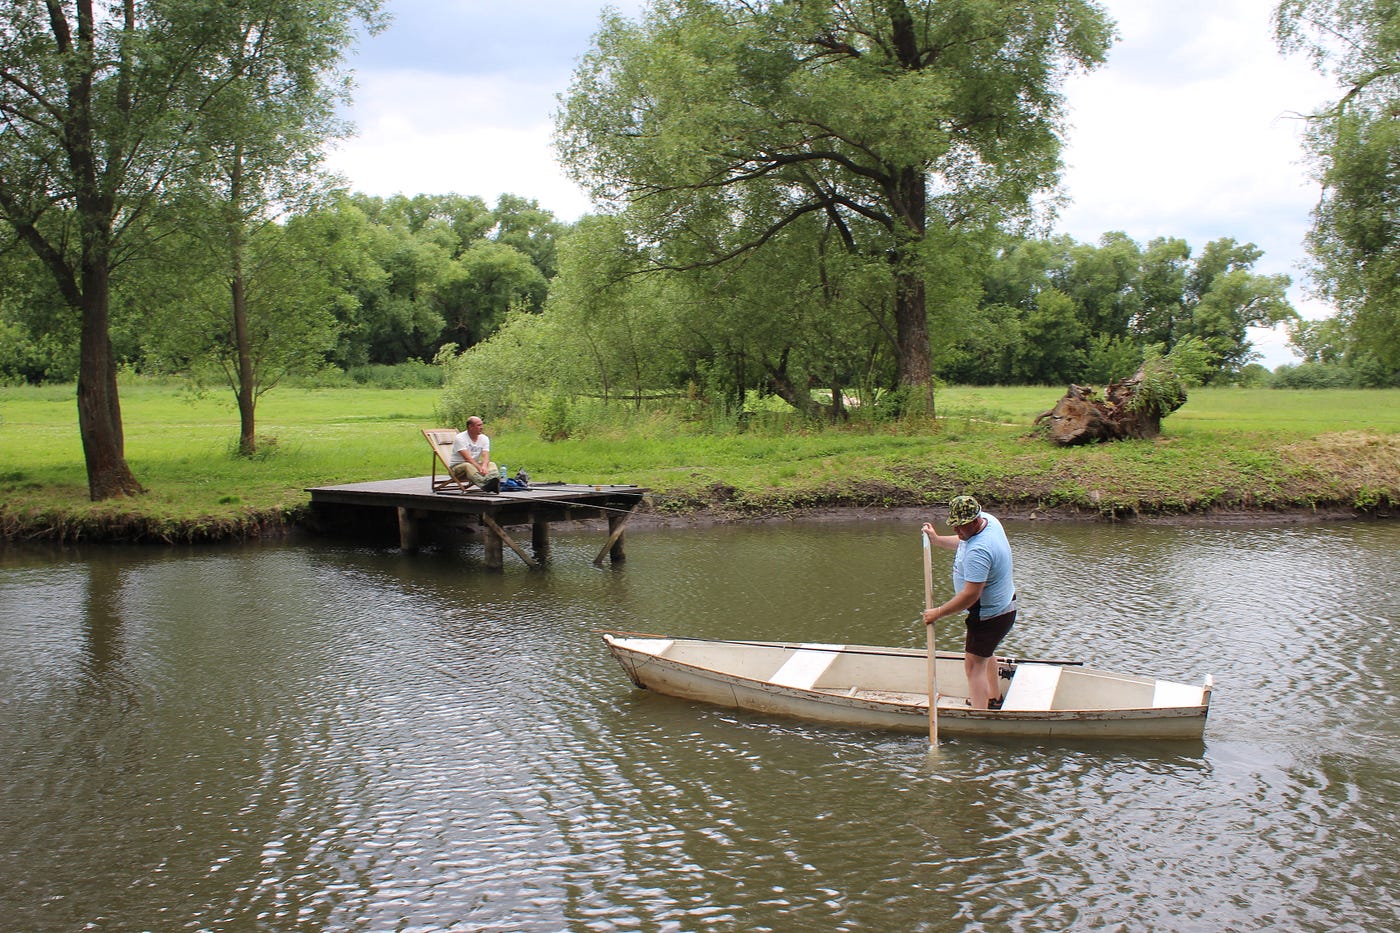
(280,736)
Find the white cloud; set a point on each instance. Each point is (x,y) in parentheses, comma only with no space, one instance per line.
(472,135)
(1192,131)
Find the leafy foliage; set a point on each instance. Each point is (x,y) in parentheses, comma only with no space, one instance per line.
(109,112)
(1165,378)
(1354,143)
(896,132)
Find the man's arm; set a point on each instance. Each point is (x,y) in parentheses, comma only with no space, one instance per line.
(961,602)
(944,541)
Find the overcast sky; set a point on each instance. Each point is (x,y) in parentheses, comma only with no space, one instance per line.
(1190,130)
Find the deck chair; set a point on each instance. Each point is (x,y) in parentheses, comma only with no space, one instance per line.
(440,439)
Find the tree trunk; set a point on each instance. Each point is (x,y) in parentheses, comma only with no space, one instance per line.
(910,302)
(243,345)
(911,336)
(909,201)
(99,409)
(838,403)
(247,398)
(781,385)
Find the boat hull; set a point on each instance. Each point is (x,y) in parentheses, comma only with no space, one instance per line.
(867,687)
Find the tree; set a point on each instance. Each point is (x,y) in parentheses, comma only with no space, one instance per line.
(1354,144)
(38,343)
(1101,278)
(1054,339)
(605,334)
(261,139)
(487,280)
(1216,298)
(1225,298)
(453,267)
(1072,312)
(296,283)
(101,106)
(521,223)
(719,123)
(289,294)
(1322,341)
(399,316)
(1161,306)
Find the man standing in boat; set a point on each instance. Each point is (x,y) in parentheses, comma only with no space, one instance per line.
(983,587)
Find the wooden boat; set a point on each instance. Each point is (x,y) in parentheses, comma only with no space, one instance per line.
(863,686)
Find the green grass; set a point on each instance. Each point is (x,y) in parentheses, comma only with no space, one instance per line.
(1226,449)
(1295,413)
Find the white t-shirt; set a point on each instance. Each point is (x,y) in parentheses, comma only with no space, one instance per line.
(464,448)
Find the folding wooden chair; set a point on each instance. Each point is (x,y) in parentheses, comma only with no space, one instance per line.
(440,439)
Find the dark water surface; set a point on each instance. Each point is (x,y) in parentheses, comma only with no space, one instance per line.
(287,737)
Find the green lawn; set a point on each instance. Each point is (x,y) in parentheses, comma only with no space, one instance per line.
(1226,448)
(1295,413)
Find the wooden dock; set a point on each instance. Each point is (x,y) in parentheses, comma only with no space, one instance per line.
(418,507)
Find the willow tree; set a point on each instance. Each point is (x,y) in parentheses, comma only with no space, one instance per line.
(716,124)
(1354,143)
(102,106)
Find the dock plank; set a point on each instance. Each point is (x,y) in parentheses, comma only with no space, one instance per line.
(416,492)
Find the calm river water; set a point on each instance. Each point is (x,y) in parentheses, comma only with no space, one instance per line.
(312,737)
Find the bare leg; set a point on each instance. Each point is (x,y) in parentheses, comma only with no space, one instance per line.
(979,684)
(993,678)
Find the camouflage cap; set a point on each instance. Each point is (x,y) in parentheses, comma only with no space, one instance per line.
(963,510)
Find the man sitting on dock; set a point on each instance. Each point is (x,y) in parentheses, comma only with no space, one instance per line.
(471,458)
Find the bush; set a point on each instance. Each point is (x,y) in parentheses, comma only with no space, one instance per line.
(1254,376)
(1109,359)
(24,359)
(1313,376)
(556,419)
(411,374)
(331,377)
(1368,372)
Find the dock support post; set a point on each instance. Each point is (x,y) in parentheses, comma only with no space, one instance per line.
(495,537)
(495,555)
(613,547)
(539,538)
(408,530)
(616,554)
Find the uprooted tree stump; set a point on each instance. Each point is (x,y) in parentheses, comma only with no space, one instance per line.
(1133,408)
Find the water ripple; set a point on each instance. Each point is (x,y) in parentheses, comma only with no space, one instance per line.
(282,737)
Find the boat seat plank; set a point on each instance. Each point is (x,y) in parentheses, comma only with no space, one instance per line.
(1166,695)
(801,670)
(1032,687)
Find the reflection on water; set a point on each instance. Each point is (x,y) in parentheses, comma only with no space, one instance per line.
(279,736)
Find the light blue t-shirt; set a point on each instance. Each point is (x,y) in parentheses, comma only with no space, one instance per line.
(986,558)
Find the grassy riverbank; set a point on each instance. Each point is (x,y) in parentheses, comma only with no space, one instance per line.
(1238,450)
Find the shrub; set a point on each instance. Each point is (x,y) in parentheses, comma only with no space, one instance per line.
(1313,376)
(410,374)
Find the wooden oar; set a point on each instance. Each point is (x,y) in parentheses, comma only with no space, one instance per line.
(932,657)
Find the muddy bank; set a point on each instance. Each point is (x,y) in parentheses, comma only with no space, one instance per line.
(702,517)
(659,510)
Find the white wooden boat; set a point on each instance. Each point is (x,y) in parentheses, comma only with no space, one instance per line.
(863,686)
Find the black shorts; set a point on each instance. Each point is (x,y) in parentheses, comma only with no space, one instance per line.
(983,635)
